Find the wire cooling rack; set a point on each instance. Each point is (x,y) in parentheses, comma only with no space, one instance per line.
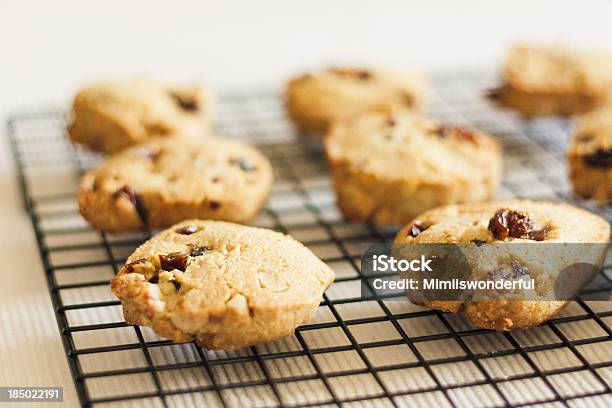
(356,351)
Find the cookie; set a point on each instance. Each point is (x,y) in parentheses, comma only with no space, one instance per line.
(223,285)
(589,156)
(518,221)
(167,180)
(388,167)
(315,101)
(111,116)
(540,81)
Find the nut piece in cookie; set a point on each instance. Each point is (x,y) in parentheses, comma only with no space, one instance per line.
(111,116)
(316,100)
(223,285)
(540,81)
(526,226)
(388,167)
(589,156)
(166,180)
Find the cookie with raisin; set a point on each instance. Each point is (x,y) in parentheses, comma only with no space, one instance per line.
(316,100)
(166,180)
(221,284)
(529,227)
(111,116)
(553,80)
(388,167)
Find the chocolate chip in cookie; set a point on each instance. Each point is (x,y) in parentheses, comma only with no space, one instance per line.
(130,266)
(600,158)
(175,260)
(498,225)
(135,199)
(154,278)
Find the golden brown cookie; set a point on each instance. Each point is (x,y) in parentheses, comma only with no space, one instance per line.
(539,81)
(110,116)
(223,285)
(315,101)
(519,221)
(167,180)
(388,167)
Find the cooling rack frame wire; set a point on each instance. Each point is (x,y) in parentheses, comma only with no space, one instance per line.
(302,204)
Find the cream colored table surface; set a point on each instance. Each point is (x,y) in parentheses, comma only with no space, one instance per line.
(31,353)
(50,48)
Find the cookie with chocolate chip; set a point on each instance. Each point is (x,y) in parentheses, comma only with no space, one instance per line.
(589,156)
(221,284)
(530,223)
(541,80)
(316,100)
(388,167)
(166,180)
(111,116)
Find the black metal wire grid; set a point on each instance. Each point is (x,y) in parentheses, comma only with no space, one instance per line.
(363,351)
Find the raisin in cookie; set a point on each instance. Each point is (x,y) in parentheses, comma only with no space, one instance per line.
(111,116)
(221,284)
(590,156)
(166,180)
(389,167)
(539,81)
(517,221)
(315,101)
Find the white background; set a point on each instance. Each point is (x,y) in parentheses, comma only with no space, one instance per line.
(49,48)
